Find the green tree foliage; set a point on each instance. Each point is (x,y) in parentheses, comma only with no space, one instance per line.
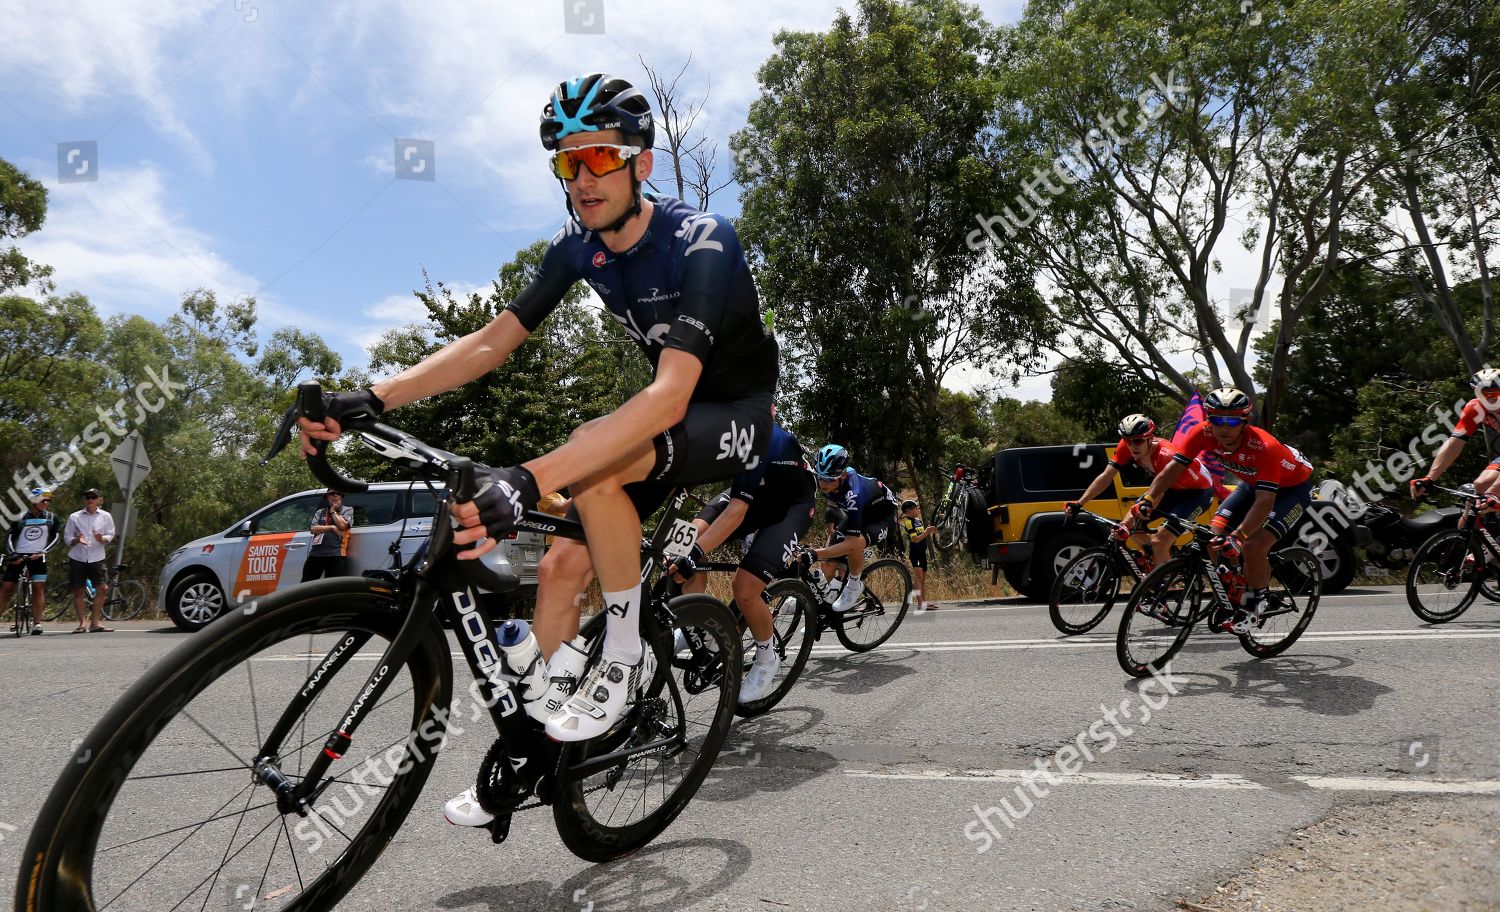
(862,163)
(23,209)
(1097,394)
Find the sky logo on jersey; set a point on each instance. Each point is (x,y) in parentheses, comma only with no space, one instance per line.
(736,442)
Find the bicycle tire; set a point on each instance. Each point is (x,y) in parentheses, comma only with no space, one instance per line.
(859,628)
(1437,569)
(126,600)
(578,823)
(1298,576)
(20,611)
(59,602)
(1178,621)
(60,870)
(1106,585)
(793,642)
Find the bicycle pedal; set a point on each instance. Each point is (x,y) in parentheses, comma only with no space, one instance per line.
(499,828)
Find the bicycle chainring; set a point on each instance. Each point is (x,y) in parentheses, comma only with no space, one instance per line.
(499,789)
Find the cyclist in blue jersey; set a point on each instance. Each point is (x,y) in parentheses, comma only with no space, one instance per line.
(769,508)
(27,542)
(676,279)
(860,508)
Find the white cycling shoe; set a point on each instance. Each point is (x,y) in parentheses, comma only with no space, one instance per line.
(760,680)
(853,589)
(602,698)
(464,810)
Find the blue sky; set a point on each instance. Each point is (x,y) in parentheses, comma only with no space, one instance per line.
(248,146)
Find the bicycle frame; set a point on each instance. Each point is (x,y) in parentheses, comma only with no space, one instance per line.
(1118,550)
(437,579)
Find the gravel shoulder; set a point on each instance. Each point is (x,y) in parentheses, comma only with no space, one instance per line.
(1437,854)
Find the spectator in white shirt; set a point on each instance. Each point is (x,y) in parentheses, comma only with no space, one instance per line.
(87,533)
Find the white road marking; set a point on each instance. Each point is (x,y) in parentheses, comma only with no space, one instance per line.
(1215,782)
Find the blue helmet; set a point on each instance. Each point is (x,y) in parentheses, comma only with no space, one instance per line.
(587,104)
(831,462)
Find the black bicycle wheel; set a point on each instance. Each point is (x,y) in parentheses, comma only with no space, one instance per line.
(615,810)
(20,613)
(125,601)
(1444,577)
(159,808)
(59,599)
(1084,591)
(791,606)
(879,611)
(950,522)
(1159,616)
(1291,600)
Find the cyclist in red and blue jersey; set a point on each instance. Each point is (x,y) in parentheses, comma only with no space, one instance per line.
(1186,497)
(1275,488)
(677,280)
(1482,413)
(860,509)
(769,509)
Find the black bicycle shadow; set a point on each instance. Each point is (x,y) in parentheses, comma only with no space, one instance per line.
(762,743)
(1309,682)
(663,877)
(856,673)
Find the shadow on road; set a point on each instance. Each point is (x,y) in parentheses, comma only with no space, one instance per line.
(858,673)
(1308,682)
(663,877)
(764,743)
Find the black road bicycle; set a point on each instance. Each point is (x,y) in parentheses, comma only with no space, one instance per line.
(1174,597)
(125,600)
(1454,567)
(20,601)
(1088,586)
(276,753)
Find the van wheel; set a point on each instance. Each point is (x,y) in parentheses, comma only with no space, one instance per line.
(194,601)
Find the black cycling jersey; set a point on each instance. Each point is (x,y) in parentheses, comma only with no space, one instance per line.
(684,285)
(782,474)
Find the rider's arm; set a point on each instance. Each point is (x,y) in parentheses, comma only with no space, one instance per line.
(614,437)
(1164,479)
(1447,454)
(1097,486)
(455,364)
(723,525)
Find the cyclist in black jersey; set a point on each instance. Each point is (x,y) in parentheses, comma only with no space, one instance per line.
(677,280)
(860,510)
(769,508)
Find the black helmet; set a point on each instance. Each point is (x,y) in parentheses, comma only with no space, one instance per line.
(908,505)
(1226,400)
(1136,426)
(598,101)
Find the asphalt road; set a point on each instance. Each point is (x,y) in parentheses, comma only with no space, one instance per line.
(864,790)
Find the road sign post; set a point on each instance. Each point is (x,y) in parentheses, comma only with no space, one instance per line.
(131,465)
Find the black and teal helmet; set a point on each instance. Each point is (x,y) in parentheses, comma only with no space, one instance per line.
(831,462)
(598,101)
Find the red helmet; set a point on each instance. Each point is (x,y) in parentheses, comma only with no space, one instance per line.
(1226,400)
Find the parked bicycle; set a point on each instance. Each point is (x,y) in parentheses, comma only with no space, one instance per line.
(952,517)
(261,751)
(1191,587)
(125,600)
(20,602)
(1088,586)
(1454,567)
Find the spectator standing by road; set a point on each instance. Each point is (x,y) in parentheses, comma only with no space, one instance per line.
(88,532)
(330,548)
(917,533)
(27,542)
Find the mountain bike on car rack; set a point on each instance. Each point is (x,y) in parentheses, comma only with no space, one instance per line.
(293,791)
(1173,598)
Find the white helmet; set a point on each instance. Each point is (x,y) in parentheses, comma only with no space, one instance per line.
(1487,380)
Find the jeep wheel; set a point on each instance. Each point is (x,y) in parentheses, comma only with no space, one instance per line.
(1051,556)
(194,601)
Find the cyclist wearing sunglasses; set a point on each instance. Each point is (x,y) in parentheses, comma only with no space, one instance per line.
(860,508)
(1185,497)
(27,542)
(1482,412)
(1275,487)
(676,279)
